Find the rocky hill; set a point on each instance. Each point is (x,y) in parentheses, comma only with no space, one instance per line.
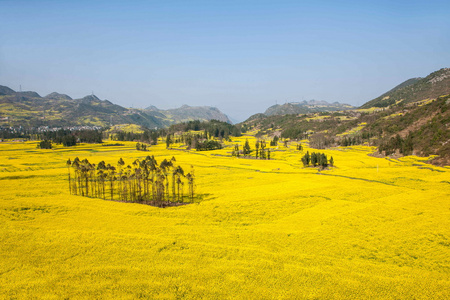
(190,113)
(305,107)
(29,109)
(434,85)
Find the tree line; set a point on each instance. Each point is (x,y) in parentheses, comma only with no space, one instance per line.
(148,136)
(404,146)
(144,181)
(66,137)
(45,144)
(212,128)
(141,147)
(69,137)
(189,139)
(207,145)
(198,141)
(261,152)
(317,159)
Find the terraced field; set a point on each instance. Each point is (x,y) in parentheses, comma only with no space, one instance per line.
(368,228)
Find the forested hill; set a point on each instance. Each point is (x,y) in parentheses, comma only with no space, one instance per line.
(434,85)
(419,128)
(411,118)
(29,109)
(305,107)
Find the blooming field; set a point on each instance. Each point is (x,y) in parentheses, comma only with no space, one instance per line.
(368,228)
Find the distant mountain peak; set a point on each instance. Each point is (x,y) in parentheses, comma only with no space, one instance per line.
(152,107)
(90,98)
(58,96)
(4,90)
(190,113)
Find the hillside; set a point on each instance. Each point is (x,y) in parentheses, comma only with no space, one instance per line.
(434,85)
(423,127)
(419,128)
(305,107)
(189,113)
(411,118)
(57,96)
(29,109)
(4,90)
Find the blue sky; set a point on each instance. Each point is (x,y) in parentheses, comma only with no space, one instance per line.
(240,56)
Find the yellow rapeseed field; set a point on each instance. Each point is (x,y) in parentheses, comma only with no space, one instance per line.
(370,228)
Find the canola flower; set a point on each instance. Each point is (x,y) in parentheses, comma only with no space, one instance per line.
(369,228)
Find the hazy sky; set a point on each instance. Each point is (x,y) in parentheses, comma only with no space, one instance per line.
(240,56)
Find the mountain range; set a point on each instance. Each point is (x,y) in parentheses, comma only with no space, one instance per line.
(29,109)
(411,118)
(305,107)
